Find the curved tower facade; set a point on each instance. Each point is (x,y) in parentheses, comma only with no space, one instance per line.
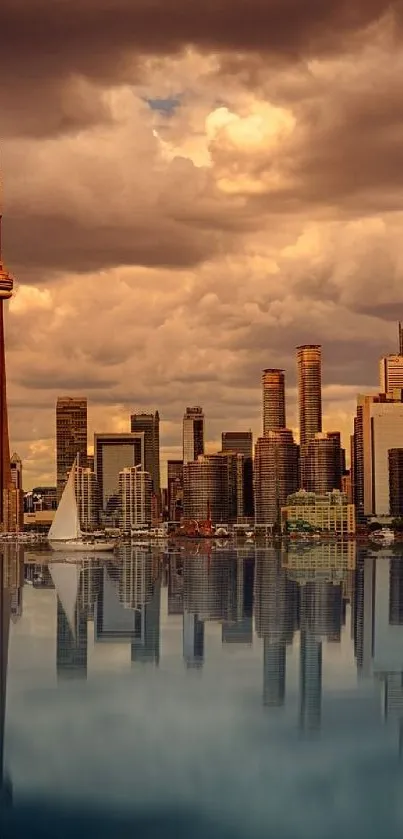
(309,369)
(273,392)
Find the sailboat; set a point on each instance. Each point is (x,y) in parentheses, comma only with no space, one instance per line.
(65,533)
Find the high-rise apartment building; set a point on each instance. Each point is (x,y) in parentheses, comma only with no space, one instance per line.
(150,425)
(175,489)
(323,463)
(193,434)
(273,392)
(309,363)
(71,437)
(242,443)
(276,474)
(395,463)
(309,369)
(113,453)
(213,488)
(87,498)
(135,488)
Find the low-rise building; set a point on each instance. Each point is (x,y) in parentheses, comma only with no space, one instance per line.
(309,511)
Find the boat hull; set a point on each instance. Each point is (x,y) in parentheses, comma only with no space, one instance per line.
(81,547)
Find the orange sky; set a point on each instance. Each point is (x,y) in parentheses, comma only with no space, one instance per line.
(166,252)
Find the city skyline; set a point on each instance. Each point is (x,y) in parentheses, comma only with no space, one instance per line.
(233,191)
(296,402)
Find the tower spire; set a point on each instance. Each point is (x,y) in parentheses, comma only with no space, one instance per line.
(6,290)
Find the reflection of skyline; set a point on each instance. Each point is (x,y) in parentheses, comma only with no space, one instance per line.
(11,582)
(294,603)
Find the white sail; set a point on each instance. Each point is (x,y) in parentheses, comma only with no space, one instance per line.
(66,577)
(66,524)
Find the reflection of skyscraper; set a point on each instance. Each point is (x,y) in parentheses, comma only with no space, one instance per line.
(240,630)
(275,609)
(5,789)
(193,640)
(321,612)
(71,639)
(396,592)
(146,641)
(71,649)
(363,613)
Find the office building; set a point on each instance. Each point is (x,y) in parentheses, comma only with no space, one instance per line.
(87,498)
(71,437)
(276,474)
(329,512)
(323,463)
(175,489)
(395,465)
(378,427)
(242,443)
(273,392)
(135,490)
(114,453)
(6,290)
(16,470)
(309,371)
(150,425)
(391,373)
(193,434)
(213,488)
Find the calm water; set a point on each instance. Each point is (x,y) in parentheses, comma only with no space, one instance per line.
(203,692)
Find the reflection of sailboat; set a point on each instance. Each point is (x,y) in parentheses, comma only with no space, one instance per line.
(66,578)
(65,533)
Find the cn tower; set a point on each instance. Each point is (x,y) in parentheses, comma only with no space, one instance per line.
(6,290)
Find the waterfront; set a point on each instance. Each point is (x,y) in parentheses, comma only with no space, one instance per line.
(249,692)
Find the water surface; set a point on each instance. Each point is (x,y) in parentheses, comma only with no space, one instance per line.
(203,692)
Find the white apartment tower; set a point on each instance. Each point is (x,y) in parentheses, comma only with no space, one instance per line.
(135,489)
(87,498)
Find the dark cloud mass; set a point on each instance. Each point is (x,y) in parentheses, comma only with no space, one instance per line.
(100,33)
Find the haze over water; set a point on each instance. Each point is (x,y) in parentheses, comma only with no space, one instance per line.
(206,691)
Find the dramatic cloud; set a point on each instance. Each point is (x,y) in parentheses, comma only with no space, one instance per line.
(190,190)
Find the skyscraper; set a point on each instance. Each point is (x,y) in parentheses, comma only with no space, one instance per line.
(135,497)
(309,364)
(395,462)
(273,400)
(276,474)
(378,427)
(6,290)
(193,434)
(71,437)
(175,489)
(323,463)
(242,443)
(213,488)
(150,425)
(113,453)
